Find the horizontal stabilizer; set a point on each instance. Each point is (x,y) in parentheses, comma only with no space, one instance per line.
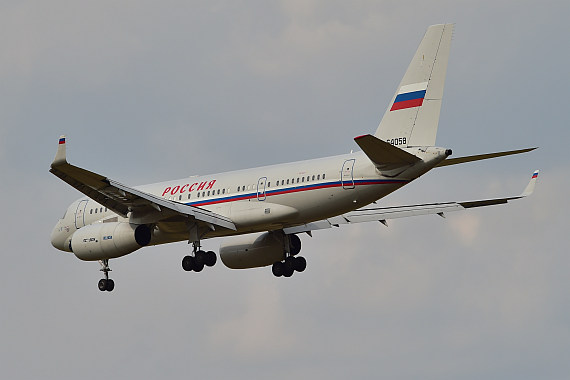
(461,160)
(382,153)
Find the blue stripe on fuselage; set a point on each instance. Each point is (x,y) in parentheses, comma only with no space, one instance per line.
(295,189)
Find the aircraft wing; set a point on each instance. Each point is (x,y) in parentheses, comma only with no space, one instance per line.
(382,214)
(144,207)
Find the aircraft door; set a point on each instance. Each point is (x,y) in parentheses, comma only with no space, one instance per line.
(80,214)
(346,174)
(261,183)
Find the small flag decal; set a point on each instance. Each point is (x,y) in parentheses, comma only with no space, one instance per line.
(62,140)
(411,95)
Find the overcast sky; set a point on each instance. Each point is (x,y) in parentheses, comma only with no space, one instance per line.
(148,91)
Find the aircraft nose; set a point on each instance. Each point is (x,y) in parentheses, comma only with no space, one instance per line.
(59,237)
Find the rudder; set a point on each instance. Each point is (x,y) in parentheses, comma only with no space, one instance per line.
(413,114)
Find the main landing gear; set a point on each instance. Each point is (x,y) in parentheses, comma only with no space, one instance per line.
(199,259)
(106,283)
(291,263)
(287,267)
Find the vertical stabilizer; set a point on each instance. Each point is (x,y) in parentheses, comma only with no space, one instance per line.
(413,114)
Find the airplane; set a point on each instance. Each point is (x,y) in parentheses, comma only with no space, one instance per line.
(261,211)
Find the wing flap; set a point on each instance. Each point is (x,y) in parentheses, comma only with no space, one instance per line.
(381,214)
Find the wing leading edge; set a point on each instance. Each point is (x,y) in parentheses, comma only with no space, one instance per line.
(381,214)
(144,207)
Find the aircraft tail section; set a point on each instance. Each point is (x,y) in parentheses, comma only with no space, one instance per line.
(413,114)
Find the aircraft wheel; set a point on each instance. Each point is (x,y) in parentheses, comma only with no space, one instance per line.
(289,263)
(110,285)
(210,258)
(188,263)
(102,284)
(300,263)
(277,269)
(200,258)
(295,244)
(198,266)
(287,271)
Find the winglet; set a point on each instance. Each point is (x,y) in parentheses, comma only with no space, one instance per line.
(60,156)
(530,187)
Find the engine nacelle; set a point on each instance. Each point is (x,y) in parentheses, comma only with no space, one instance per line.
(109,240)
(251,251)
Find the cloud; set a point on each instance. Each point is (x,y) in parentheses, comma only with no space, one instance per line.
(259,331)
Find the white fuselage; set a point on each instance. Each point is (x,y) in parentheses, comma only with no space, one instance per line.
(264,198)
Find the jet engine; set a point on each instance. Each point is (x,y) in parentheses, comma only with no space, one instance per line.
(257,250)
(109,240)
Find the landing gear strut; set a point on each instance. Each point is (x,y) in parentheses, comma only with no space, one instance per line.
(199,259)
(292,263)
(106,283)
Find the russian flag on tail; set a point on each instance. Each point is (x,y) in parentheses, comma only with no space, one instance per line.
(62,140)
(411,95)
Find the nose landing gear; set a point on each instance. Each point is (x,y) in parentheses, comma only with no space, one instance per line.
(106,283)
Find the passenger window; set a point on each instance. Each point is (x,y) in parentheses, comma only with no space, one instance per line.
(313,178)
(303,179)
(208,192)
(297,179)
(105,209)
(180,197)
(223,191)
(243,188)
(318,177)
(268,184)
(95,211)
(308,178)
(323,176)
(188,195)
(91,211)
(203,194)
(287,182)
(198,195)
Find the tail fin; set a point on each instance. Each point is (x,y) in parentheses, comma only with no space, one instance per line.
(413,115)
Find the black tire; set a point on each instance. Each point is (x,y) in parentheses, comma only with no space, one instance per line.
(200,258)
(102,284)
(277,269)
(198,266)
(289,264)
(211,259)
(294,244)
(188,263)
(288,272)
(300,264)
(110,285)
